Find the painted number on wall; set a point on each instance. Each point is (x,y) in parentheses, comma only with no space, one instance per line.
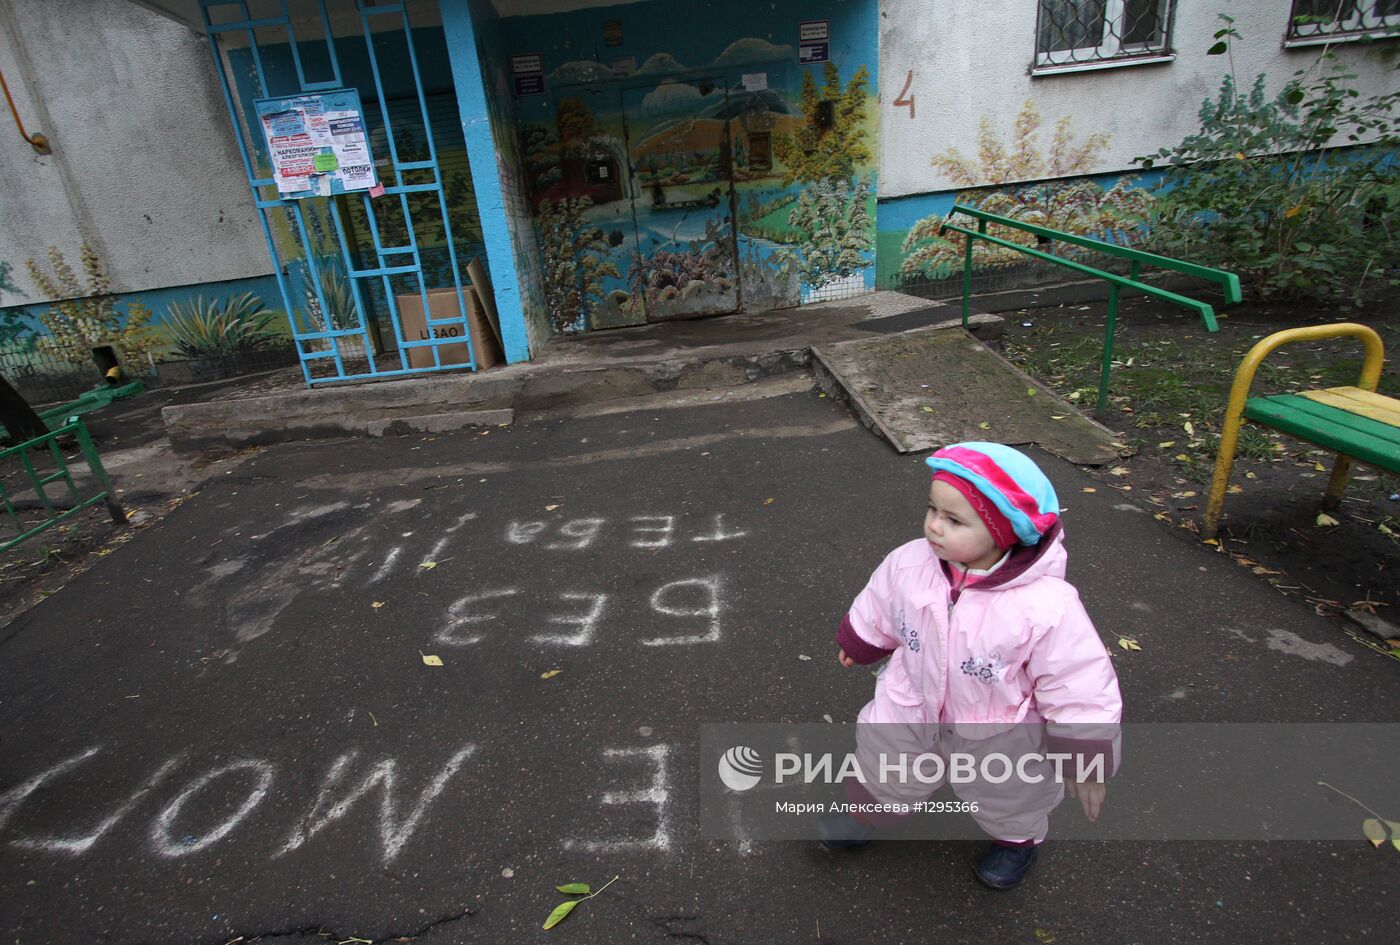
(904,98)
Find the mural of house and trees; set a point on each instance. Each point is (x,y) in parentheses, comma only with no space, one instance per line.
(674,189)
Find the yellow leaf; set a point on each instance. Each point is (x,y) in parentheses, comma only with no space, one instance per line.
(550,508)
(1183,495)
(767,501)
(1162,517)
(1239,155)
(1326,520)
(1373,830)
(1090,489)
(1057,416)
(1190,430)
(1394,833)
(1167,445)
(1044,936)
(1291,212)
(377,604)
(560,912)
(1118,471)
(1384,530)
(1030,391)
(1128,644)
(550,674)
(430,660)
(428,565)
(1212,541)
(1235,490)
(1182,457)
(926,409)
(1319,467)
(1251,475)
(984,425)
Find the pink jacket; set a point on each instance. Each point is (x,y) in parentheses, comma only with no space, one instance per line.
(1016,646)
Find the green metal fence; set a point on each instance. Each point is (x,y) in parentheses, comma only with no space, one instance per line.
(1228,281)
(47,451)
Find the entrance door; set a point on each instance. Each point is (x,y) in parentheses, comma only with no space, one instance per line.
(678,142)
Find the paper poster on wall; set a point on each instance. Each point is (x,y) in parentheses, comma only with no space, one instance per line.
(813,41)
(317,143)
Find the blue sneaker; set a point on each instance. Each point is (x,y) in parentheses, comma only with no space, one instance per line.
(1002,867)
(843,832)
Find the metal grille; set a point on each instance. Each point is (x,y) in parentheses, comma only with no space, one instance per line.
(1327,18)
(44,372)
(1073,32)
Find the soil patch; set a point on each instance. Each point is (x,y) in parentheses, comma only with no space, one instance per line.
(1170,384)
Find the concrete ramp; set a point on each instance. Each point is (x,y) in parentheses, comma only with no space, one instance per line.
(924,389)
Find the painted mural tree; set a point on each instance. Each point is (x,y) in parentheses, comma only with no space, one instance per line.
(86,316)
(1081,207)
(831,211)
(575,262)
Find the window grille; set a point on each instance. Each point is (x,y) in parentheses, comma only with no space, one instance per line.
(1082,32)
(1323,20)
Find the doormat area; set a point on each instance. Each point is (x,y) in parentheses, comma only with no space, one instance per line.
(922,390)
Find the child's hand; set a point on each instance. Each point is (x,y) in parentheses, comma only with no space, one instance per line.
(846,661)
(1090,794)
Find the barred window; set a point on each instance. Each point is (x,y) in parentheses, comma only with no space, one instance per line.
(1313,21)
(1081,32)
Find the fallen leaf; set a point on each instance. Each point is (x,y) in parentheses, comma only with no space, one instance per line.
(550,508)
(430,660)
(1030,391)
(1090,489)
(1167,445)
(428,565)
(1291,212)
(1190,430)
(1044,936)
(803,656)
(1235,490)
(377,604)
(560,912)
(1251,475)
(575,889)
(1162,517)
(1057,416)
(1326,520)
(926,409)
(1211,541)
(1118,471)
(1128,643)
(1263,570)
(1374,831)
(1394,833)
(1183,495)
(1183,457)
(767,501)
(984,425)
(1319,467)
(550,674)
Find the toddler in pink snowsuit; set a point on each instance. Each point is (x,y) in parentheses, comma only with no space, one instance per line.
(985,639)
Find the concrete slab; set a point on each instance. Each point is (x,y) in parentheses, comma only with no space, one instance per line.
(924,389)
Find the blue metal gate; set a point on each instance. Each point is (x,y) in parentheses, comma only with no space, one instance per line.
(339,290)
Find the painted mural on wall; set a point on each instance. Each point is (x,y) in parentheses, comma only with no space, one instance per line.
(1058,195)
(672,183)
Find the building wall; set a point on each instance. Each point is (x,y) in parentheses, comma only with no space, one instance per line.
(964,120)
(144,165)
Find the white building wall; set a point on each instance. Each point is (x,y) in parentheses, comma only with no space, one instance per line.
(972,59)
(144,165)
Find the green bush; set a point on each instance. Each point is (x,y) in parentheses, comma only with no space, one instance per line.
(206,328)
(1254,192)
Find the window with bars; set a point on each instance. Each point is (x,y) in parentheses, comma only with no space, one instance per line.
(1312,21)
(1089,32)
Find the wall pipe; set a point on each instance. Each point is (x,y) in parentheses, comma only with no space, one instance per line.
(36,141)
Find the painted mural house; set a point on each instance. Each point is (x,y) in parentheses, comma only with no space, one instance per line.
(422,186)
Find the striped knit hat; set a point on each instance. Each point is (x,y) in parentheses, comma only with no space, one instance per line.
(1023,505)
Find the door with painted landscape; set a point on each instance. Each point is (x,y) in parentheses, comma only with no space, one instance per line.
(679,143)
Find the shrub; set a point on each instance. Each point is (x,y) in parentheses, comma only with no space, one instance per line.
(1254,192)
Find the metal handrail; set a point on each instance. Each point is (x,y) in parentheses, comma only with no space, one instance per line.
(1227,280)
(52,517)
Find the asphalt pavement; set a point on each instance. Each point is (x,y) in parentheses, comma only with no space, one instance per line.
(227,728)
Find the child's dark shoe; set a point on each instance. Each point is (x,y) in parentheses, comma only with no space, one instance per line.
(1002,867)
(843,832)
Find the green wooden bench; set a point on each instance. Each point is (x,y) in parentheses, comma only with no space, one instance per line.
(1356,423)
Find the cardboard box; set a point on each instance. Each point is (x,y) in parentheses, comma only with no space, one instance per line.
(442,303)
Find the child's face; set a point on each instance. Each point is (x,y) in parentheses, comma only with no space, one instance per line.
(954,530)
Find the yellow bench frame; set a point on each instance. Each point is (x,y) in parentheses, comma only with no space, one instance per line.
(1239,398)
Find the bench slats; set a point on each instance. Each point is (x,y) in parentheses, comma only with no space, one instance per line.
(1333,428)
(1364,403)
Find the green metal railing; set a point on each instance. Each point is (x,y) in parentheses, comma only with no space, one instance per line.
(24,452)
(1228,281)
